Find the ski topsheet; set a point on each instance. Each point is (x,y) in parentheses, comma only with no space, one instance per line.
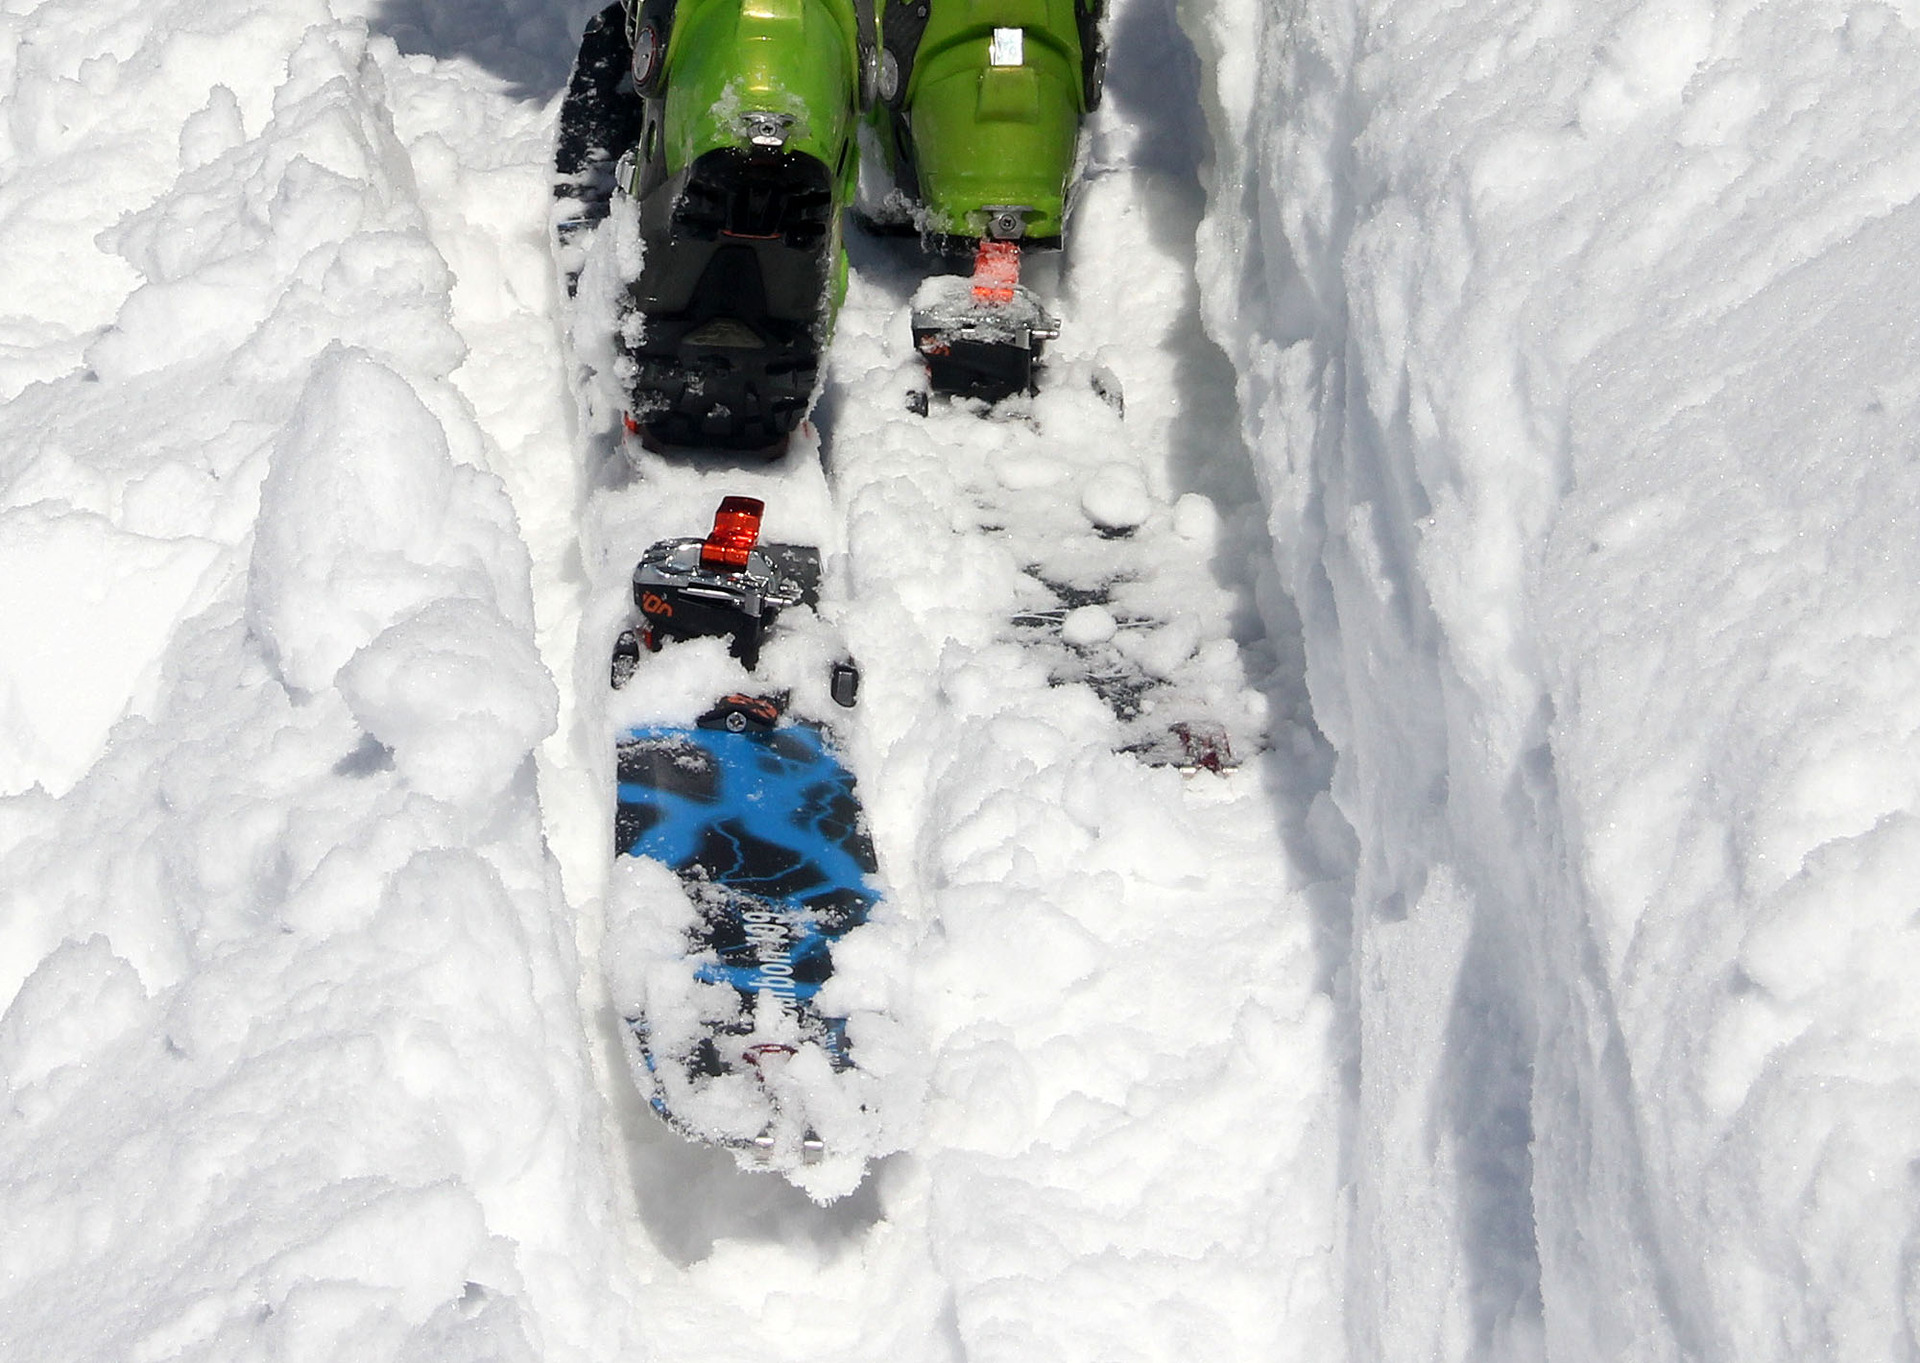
(728,691)
(765,833)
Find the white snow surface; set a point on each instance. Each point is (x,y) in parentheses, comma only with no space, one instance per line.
(1576,348)
(312,948)
(1515,464)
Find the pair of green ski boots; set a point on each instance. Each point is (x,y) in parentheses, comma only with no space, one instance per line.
(734,126)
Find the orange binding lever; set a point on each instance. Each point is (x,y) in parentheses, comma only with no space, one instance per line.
(996,271)
(736,529)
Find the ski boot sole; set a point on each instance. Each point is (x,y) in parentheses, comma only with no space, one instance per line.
(732,300)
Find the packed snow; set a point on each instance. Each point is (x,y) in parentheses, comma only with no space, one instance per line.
(1513,472)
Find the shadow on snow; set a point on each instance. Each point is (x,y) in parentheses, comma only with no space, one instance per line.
(528,44)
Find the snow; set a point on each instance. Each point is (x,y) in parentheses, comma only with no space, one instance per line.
(1575,371)
(293,1059)
(1514,468)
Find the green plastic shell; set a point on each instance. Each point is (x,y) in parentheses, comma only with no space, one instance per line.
(793,57)
(726,58)
(991,136)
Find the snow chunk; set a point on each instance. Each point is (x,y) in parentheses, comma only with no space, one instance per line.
(365,518)
(1115,498)
(441,1225)
(1088,625)
(1196,520)
(456,694)
(482,1326)
(81,998)
(79,643)
(648,918)
(212,132)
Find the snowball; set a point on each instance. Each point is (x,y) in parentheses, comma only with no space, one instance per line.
(1116,498)
(1088,625)
(1196,520)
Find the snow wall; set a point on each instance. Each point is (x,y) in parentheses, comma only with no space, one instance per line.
(292,1063)
(1578,349)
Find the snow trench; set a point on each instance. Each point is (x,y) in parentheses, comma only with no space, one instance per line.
(1573,348)
(1107,1123)
(1539,495)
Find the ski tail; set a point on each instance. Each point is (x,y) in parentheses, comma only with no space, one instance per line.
(751,808)
(600,120)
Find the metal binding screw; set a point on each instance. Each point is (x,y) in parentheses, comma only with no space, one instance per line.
(766,129)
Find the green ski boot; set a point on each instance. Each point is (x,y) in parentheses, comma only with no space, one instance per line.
(979,113)
(736,123)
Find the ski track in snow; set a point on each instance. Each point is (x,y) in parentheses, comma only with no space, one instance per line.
(1057,915)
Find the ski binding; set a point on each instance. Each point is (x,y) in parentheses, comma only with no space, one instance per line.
(752,811)
(982,335)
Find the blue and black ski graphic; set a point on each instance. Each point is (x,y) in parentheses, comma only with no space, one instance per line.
(765,831)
